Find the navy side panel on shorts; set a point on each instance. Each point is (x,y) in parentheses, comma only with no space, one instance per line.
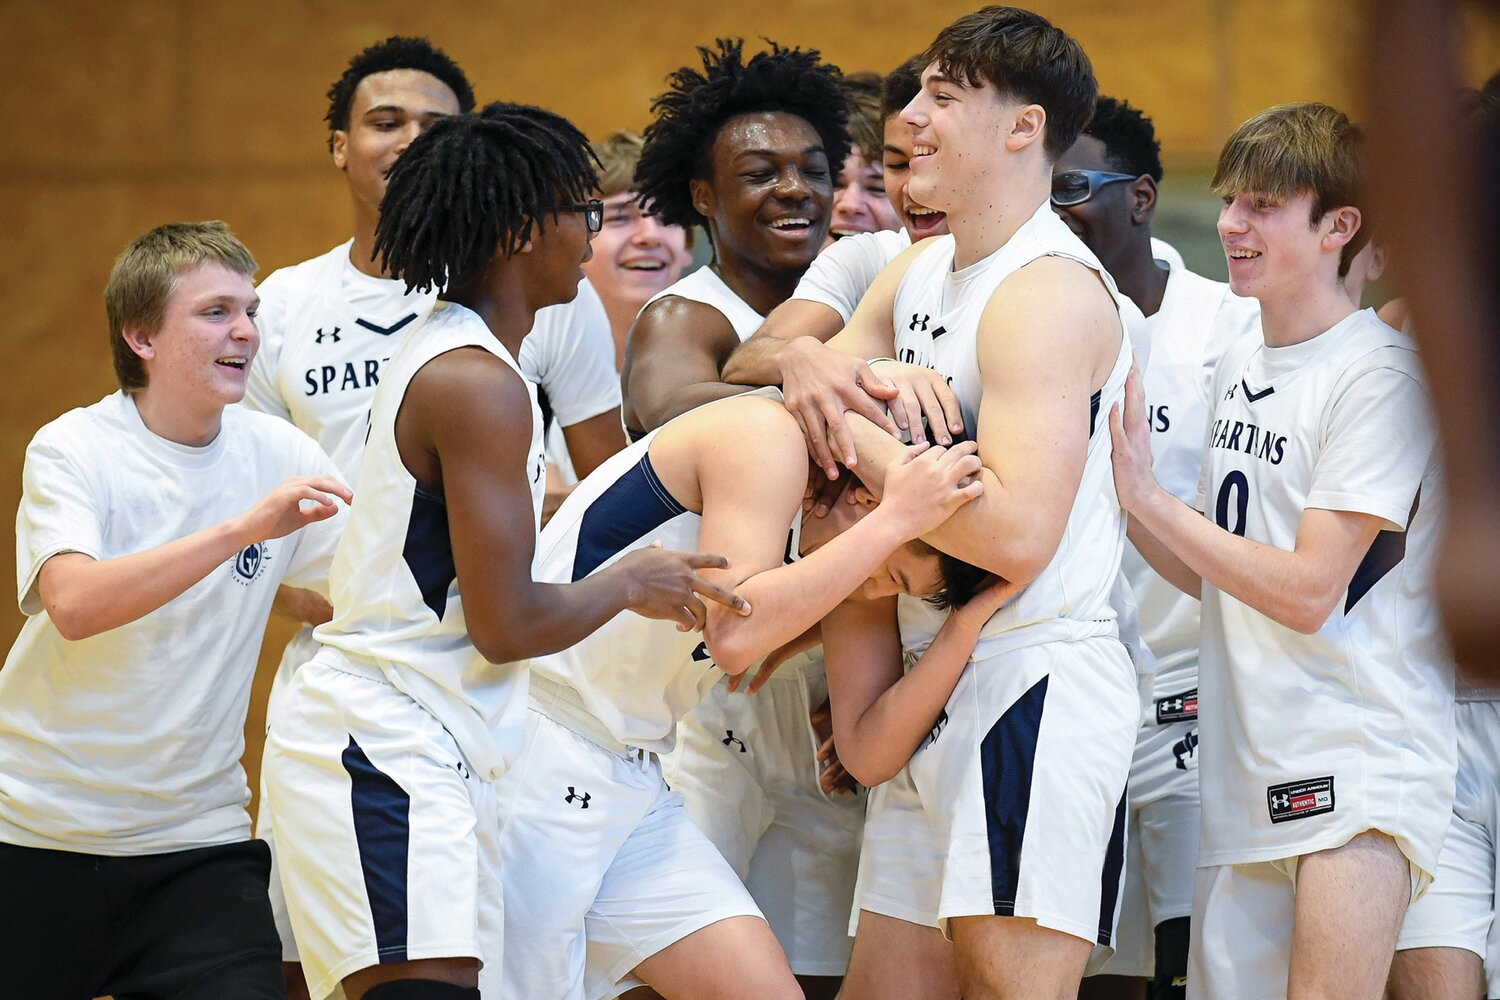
(1006,759)
(428,551)
(382,826)
(1109,882)
(631,506)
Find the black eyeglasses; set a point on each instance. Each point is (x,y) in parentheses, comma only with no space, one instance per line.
(1074,187)
(593,213)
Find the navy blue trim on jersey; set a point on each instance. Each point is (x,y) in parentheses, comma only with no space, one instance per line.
(630,507)
(1095,401)
(1385,554)
(428,550)
(1007,758)
(386,331)
(382,827)
(1109,882)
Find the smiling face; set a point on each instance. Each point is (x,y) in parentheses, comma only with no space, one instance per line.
(861,205)
(1273,250)
(919,220)
(961,139)
(388,111)
(769,195)
(201,353)
(635,256)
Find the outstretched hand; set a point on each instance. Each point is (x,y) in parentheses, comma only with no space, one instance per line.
(296,503)
(1130,436)
(666,585)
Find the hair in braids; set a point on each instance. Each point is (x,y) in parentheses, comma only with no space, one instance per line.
(473,186)
(690,115)
(396,52)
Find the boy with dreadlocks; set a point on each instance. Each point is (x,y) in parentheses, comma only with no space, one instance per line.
(747,148)
(380,769)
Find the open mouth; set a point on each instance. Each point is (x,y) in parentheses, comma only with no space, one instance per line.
(918,150)
(237,364)
(1238,254)
(839,232)
(792,225)
(924,222)
(644,265)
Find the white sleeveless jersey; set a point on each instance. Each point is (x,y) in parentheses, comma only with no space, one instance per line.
(704,286)
(1316,738)
(636,675)
(395,592)
(936,318)
(1198,321)
(327,331)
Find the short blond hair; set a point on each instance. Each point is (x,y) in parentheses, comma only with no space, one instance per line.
(1294,149)
(146,274)
(618,154)
(866,123)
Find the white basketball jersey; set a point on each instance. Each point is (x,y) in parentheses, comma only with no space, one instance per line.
(1198,321)
(936,316)
(839,276)
(704,286)
(1316,738)
(395,591)
(636,675)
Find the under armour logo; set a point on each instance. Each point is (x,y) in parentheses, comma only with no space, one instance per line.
(937,729)
(334,335)
(700,652)
(576,796)
(463,772)
(1175,704)
(730,738)
(1281,801)
(919,321)
(1186,749)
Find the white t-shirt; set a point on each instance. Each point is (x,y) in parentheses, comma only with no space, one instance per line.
(327,330)
(1198,321)
(1311,739)
(129,742)
(840,275)
(396,598)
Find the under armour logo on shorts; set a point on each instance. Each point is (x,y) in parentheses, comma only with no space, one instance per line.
(576,796)
(729,738)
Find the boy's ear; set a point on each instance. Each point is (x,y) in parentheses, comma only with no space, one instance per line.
(1340,226)
(139,341)
(1027,127)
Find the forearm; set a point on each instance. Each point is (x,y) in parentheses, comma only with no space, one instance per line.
(85,597)
(787,600)
(593,440)
(1281,585)
(756,362)
(874,744)
(1164,561)
(653,409)
(545,618)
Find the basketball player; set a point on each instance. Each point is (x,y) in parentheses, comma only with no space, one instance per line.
(154,528)
(380,768)
(645,889)
(860,204)
(1328,756)
(744,146)
(1104,188)
(1004,94)
(329,324)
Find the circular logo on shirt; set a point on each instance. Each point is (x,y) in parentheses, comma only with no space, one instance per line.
(251,562)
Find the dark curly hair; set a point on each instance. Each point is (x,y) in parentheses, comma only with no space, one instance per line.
(396,52)
(1129,137)
(473,186)
(691,113)
(961,581)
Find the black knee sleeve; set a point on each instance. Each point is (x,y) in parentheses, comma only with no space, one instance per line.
(421,989)
(1170,982)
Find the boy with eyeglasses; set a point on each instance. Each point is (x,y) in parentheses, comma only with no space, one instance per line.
(1104,188)
(1328,760)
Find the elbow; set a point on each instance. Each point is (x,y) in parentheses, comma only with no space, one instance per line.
(730,654)
(868,773)
(497,643)
(70,624)
(1308,617)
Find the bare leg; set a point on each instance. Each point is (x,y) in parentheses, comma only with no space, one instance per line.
(1436,974)
(734,959)
(1013,958)
(458,971)
(899,960)
(1350,903)
(1112,988)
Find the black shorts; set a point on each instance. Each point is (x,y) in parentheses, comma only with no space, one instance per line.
(188,925)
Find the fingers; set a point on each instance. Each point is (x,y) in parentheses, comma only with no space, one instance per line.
(911,409)
(719,595)
(843,440)
(683,617)
(768,667)
(703,560)
(1135,400)
(937,421)
(815,429)
(325,484)
(953,414)
(1116,430)
(872,383)
(870,402)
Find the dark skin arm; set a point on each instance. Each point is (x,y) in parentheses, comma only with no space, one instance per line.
(672,361)
(485,480)
(593,440)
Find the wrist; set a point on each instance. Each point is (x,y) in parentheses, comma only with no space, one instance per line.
(1154,507)
(890,526)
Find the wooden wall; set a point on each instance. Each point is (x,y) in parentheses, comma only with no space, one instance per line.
(123,114)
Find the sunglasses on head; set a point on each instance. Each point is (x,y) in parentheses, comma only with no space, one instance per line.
(1074,187)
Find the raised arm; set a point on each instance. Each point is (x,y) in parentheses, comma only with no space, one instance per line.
(880,714)
(86,596)
(672,361)
(485,479)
